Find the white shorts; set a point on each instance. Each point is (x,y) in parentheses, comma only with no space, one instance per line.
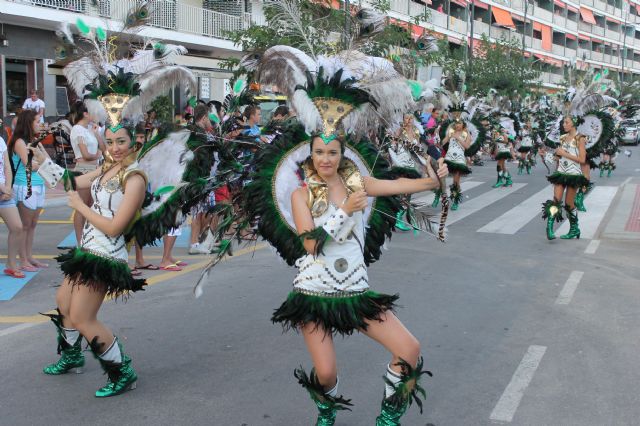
(35,202)
(175,232)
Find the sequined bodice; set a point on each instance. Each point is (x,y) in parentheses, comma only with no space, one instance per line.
(455,152)
(340,268)
(566,165)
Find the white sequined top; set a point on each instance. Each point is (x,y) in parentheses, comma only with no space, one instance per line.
(565,165)
(455,152)
(341,270)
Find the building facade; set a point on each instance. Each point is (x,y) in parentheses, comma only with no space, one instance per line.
(28,42)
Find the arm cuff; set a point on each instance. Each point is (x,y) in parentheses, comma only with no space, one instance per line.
(50,172)
(339,226)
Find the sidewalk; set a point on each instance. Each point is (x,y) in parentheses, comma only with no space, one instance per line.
(625,221)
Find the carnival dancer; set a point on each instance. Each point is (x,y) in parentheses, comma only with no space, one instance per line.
(607,164)
(567,179)
(98,267)
(524,149)
(503,153)
(458,139)
(319,216)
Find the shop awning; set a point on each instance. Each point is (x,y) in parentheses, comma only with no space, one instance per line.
(584,37)
(587,16)
(572,9)
(559,4)
(546,37)
(462,3)
(571,36)
(612,20)
(637,8)
(503,17)
(417,31)
(548,60)
(454,40)
(480,4)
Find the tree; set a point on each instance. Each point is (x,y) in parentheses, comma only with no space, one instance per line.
(318,29)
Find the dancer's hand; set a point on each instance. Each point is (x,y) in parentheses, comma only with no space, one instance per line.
(356,201)
(443,170)
(39,154)
(74,201)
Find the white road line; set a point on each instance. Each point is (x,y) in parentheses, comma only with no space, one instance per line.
(464,186)
(592,247)
(478,203)
(597,204)
(513,220)
(566,294)
(17,328)
(508,403)
(627,180)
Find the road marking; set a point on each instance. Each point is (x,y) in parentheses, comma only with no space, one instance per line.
(592,247)
(597,204)
(566,294)
(508,403)
(34,319)
(464,186)
(513,220)
(478,203)
(16,328)
(10,286)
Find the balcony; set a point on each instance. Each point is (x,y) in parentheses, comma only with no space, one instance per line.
(166,14)
(584,53)
(438,19)
(613,35)
(599,5)
(597,56)
(597,30)
(583,26)
(481,27)
(570,53)
(536,44)
(587,2)
(557,50)
(560,20)
(543,14)
(551,78)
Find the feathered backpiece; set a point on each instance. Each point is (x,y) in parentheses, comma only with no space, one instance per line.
(334,95)
(119,84)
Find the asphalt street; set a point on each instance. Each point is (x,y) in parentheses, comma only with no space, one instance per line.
(516,329)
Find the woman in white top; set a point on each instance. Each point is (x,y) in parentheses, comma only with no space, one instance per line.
(87,148)
(9,213)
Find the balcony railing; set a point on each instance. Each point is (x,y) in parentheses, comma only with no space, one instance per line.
(572,25)
(557,49)
(164,14)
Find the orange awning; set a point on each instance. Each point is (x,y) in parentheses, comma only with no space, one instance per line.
(454,40)
(503,17)
(417,31)
(480,4)
(546,37)
(548,60)
(587,16)
(537,26)
(612,20)
(462,3)
(571,36)
(559,4)
(638,8)
(572,9)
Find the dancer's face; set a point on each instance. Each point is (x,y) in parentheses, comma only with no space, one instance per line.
(326,158)
(118,144)
(567,124)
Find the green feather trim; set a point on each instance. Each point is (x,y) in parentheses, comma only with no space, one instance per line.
(552,208)
(608,132)
(457,167)
(503,156)
(317,392)
(124,83)
(408,389)
(318,86)
(319,235)
(153,226)
(342,315)
(574,181)
(456,194)
(82,27)
(524,149)
(101,34)
(99,273)
(480,139)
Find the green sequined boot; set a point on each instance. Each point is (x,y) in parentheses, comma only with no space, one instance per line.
(507,179)
(551,212)
(574,230)
(327,404)
(436,199)
(520,166)
(500,180)
(117,366)
(579,200)
(528,166)
(71,356)
(602,166)
(406,390)
(610,168)
(456,196)
(400,223)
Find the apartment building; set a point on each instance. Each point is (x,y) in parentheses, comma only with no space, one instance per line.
(28,42)
(558,33)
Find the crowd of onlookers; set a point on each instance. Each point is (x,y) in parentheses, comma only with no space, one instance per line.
(83,136)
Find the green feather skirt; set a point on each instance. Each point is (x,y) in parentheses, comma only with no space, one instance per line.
(100,273)
(574,181)
(342,315)
(503,156)
(457,167)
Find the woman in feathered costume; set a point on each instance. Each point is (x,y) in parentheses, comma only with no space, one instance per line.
(118,90)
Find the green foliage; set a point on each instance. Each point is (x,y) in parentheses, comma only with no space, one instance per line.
(320,29)
(164,108)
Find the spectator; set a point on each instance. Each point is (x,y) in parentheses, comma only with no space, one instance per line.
(253,115)
(34,103)
(88,148)
(440,8)
(9,213)
(31,207)
(281,113)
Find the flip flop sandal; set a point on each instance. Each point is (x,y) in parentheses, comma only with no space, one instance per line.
(135,272)
(171,268)
(149,267)
(29,269)
(181,263)
(14,273)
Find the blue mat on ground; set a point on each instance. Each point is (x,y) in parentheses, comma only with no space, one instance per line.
(181,242)
(10,286)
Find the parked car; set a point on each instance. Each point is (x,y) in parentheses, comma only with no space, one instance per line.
(631,134)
